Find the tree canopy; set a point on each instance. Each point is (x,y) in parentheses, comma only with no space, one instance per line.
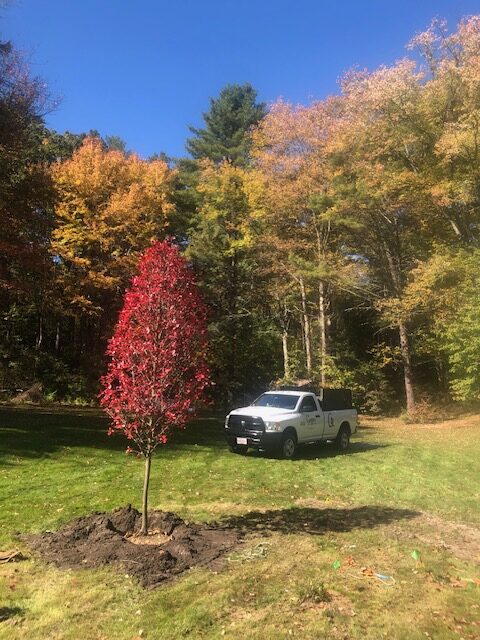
(157,373)
(335,240)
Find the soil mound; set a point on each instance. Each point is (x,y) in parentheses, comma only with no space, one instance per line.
(104,538)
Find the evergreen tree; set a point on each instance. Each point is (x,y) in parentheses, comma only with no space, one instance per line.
(230,118)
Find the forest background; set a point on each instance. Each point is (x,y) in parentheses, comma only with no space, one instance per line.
(337,241)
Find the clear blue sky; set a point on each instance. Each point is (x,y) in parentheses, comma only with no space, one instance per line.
(145,69)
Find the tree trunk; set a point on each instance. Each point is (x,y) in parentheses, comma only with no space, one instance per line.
(144,529)
(57,338)
(323,331)
(397,283)
(407,367)
(77,334)
(286,359)
(40,333)
(306,326)
(232,366)
(284,316)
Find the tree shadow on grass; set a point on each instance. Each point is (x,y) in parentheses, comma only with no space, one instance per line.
(9,612)
(315,521)
(322,450)
(36,432)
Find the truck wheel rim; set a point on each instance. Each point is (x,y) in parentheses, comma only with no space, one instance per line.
(288,448)
(344,440)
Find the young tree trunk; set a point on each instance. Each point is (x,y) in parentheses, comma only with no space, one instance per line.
(322,319)
(306,326)
(407,368)
(146,481)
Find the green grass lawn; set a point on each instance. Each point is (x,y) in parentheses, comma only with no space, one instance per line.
(400,488)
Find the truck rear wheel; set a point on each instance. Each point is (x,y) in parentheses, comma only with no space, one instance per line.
(289,445)
(343,438)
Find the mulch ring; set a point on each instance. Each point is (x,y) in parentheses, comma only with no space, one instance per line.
(112,538)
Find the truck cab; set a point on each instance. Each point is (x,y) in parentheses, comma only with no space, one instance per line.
(278,421)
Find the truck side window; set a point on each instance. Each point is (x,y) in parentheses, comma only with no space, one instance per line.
(308,404)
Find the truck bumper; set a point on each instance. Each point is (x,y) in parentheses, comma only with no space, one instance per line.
(268,440)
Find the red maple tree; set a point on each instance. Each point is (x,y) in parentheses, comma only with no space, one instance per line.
(157,374)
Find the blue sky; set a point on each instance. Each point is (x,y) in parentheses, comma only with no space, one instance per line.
(145,69)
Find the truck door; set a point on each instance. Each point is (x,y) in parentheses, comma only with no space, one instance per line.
(310,419)
(331,425)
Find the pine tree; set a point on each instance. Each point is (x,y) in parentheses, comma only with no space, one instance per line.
(230,118)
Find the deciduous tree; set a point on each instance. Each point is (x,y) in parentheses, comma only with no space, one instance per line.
(110,206)
(157,374)
(224,248)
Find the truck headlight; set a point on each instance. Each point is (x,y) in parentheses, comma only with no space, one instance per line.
(272,426)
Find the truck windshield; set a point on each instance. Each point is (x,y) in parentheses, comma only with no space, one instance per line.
(277,401)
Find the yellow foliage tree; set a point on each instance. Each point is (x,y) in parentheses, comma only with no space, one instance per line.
(110,207)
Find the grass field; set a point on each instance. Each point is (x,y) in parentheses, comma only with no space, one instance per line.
(324,523)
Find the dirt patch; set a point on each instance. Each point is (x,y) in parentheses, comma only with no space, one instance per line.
(462,540)
(111,539)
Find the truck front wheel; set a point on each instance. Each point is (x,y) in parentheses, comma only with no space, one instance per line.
(289,445)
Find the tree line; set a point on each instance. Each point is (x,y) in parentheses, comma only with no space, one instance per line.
(337,241)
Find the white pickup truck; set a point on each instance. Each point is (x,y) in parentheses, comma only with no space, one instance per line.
(278,421)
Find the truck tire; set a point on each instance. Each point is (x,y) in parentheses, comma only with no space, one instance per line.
(342,440)
(289,444)
(239,448)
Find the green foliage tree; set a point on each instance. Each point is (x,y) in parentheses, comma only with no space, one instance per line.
(227,124)
(116,143)
(223,248)
(26,211)
(445,289)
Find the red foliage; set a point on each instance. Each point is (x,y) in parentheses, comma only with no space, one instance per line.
(157,374)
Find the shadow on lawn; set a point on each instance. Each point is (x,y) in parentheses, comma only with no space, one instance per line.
(35,432)
(9,612)
(317,521)
(321,450)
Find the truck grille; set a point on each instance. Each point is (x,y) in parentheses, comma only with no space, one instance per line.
(245,424)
